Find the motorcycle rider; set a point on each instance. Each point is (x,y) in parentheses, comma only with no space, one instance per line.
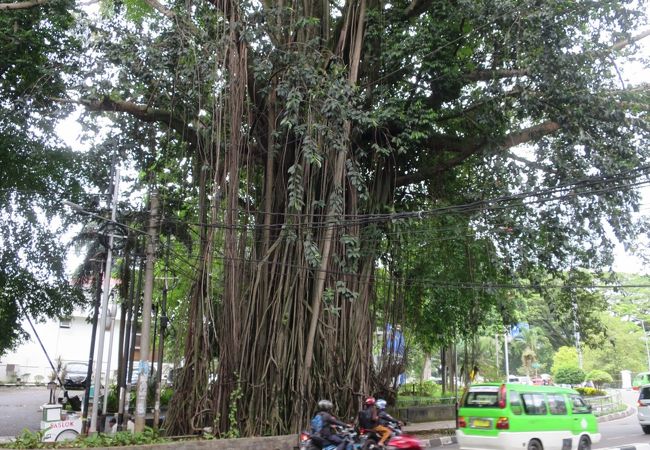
(369,419)
(386,419)
(322,431)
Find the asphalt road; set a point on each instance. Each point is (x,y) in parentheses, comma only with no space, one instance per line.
(20,408)
(621,431)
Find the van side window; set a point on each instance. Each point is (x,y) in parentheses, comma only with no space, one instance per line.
(556,404)
(515,403)
(578,405)
(534,404)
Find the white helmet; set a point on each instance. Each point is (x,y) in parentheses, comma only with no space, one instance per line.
(381,403)
(325,405)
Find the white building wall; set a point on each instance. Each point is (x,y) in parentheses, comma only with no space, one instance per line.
(70,344)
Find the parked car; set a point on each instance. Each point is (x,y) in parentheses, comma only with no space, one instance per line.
(75,375)
(643,408)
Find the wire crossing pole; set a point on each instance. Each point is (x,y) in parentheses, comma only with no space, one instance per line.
(143,375)
(105,290)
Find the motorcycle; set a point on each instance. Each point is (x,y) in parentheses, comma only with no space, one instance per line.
(370,440)
(349,435)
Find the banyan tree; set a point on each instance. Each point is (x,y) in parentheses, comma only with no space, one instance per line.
(329,169)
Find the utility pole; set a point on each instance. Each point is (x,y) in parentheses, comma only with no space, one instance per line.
(89,375)
(163,327)
(143,375)
(496,349)
(105,290)
(110,354)
(505,352)
(125,326)
(576,329)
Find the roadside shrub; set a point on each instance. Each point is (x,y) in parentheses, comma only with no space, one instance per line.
(165,396)
(599,377)
(112,399)
(423,389)
(30,439)
(569,375)
(591,392)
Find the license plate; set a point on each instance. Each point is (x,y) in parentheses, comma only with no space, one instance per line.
(481,423)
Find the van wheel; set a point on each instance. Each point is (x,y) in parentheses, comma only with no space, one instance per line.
(534,444)
(584,444)
(646,429)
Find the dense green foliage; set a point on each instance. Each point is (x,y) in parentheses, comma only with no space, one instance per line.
(569,375)
(30,439)
(599,377)
(39,58)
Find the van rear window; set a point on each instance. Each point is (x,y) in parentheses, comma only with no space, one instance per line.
(644,393)
(482,398)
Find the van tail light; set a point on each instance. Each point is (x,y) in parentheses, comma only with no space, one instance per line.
(503,423)
(638,403)
(461,422)
(502,396)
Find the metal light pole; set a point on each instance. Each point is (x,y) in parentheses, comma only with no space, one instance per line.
(105,290)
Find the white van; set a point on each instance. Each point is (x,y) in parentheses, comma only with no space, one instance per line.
(519,379)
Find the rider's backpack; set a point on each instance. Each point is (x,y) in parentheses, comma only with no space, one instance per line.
(317,424)
(366,420)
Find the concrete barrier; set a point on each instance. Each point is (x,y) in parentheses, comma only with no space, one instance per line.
(434,413)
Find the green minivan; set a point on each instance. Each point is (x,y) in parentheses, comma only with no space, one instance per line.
(518,416)
(640,379)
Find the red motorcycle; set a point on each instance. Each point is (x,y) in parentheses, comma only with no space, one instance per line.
(370,440)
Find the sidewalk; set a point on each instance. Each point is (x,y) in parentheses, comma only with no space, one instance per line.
(433,434)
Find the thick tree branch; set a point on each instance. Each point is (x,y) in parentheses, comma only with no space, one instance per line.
(529,134)
(416,7)
(624,43)
(161,8)
(141,112)
(525,161)
(509,141)
(428,172)
(486,75)
(22,5)
(454,114)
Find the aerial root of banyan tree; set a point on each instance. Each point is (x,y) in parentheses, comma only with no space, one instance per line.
(278,330)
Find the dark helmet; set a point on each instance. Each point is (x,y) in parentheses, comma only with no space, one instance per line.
(370,401)
(325,405)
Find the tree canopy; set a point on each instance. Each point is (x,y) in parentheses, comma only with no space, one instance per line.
(327,168)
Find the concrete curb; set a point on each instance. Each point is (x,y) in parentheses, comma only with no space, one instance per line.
(618,415)
(440,441)
(631,447)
